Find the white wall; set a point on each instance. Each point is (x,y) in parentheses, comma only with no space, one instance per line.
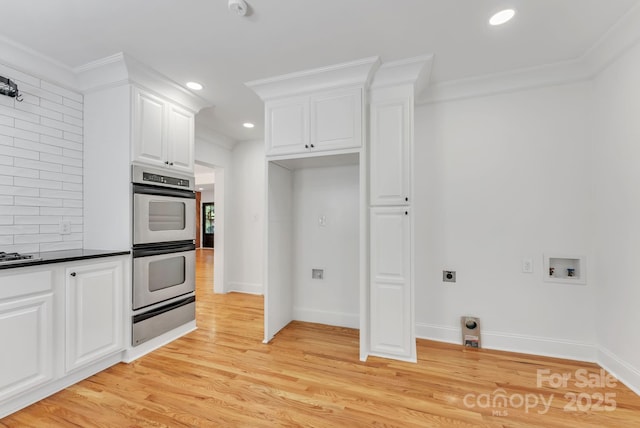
(616,186)
(245,218)
(210,154)
(332,193)
(498,179)
(41,165)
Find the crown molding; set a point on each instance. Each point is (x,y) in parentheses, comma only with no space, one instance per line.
(354,73)
(210,136)
(36,64)
(122,68)
(415,72)
(611,46)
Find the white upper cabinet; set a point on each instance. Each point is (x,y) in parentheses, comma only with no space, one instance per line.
(163,133)
(390,170)
(148,132)
(287,126)
(329,120)
(181,138)
(336,120)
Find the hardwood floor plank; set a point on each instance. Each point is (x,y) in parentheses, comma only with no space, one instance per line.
(222,375)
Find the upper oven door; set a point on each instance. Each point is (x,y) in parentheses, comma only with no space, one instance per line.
(163,215)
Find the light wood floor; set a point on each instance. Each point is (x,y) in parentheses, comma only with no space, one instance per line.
(223,376)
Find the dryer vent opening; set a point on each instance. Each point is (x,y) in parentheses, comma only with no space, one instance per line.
(470,331)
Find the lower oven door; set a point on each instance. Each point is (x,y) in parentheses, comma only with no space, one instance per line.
(162,273)
(155,322)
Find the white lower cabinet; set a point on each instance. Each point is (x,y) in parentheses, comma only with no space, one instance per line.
(26,332)
(392,332)
(95,313)
(59,323)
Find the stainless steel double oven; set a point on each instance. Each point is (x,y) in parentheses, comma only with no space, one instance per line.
(164,217)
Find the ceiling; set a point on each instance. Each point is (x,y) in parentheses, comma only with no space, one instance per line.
(202,40)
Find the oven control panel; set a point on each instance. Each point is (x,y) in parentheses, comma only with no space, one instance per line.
(141,174)
(163,179)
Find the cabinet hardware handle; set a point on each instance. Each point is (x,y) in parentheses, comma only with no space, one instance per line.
(406,213)
(171,163)
(312,146)
(166,162)
(72,274)
(406,199)
(306,146)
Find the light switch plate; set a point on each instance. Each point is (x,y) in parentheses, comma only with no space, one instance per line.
(527,265)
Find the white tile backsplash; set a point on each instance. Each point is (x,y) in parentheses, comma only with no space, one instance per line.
(41,166)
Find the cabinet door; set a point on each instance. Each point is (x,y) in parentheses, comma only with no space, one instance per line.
(336,120)
(390,152)
(149,145)
(95,318)
(287,126)
(392,332)
(26,332)
(180,139)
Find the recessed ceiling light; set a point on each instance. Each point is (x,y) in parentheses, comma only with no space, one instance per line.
(194,85)
(248,125)
(502,17)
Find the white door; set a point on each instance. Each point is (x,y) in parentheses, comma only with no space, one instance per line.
(26,334)
(95,316)
(287,126)
(180,139)
(390,170)
(148,129)
(336,120)
(392,332)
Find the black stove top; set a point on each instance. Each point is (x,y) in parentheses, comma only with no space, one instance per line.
(16,258)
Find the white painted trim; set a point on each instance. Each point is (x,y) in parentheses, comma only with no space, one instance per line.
(120,67)
(36,64)
(613,44)
(353,73)
(411,71)
(245,287)
(23,400)
(339,319)
(543,346)
(622,370)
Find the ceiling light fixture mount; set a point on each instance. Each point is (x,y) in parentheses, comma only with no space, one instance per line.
(239,7)
(502,17)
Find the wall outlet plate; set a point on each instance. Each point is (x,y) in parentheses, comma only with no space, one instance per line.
(317,273)
(449,275)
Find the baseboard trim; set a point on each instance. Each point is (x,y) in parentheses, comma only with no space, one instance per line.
(339,319)
(622,370)
(245,287)
(548,347)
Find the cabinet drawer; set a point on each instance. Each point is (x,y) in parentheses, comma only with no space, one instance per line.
(22,284)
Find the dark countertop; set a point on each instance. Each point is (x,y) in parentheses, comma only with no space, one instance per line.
(49,257)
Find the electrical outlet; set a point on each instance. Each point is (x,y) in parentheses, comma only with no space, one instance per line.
(527,265)
(449,275)
(322,220)
(317,273)
(65,228)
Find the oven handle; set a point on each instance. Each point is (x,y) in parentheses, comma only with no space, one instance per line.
(163,309)
(163,191)
(155,250)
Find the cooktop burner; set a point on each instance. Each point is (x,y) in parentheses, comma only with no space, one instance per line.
(16,258)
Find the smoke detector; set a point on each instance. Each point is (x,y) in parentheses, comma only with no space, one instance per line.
(238,6)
